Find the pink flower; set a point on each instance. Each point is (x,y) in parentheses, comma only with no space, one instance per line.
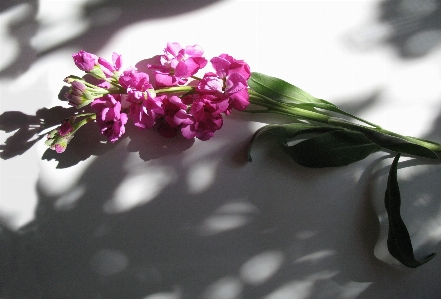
(229,82)
(135,80)
(85,61)
(211,83)
(110,68)
(177,64)
(206,119)
(145,108)
(175,114)
(109,117)
(173,106)
(225,65)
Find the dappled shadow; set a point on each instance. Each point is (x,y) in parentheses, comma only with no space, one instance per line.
(415,26)
(412,28)
(240,234)
(28,129)
(22,26)
(147,219)
(91,27)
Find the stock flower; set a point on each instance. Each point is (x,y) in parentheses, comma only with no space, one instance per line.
(225,65)
(145,108)
(198,114)
(206,119)
(135,80)
(109,117)
(97,66)
(85,61)
(175,115)
(178,64)
(229,82)
(108,68)
(59,138)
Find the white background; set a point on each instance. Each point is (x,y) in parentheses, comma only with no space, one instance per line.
(168,219)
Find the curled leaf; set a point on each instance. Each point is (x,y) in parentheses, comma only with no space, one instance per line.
(398,240)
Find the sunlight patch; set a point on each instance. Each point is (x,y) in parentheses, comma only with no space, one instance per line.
(201,176)
(229,216)
(138,189)
(261,267)
(224,288)
(68,200)
(297,289)
(315,256)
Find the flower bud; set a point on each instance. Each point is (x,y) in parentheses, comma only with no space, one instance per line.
(78,95)
(59,138)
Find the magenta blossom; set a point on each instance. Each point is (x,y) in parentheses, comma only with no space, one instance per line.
(85,61)
(175,115)
(135,80)
(109,117)
(178,64)
(228,83)
(145,108)
(206,119)
(225,65)
(108,68)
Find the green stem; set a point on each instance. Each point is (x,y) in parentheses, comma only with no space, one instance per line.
(78,125)
(278,107)
(281,108)
(175,89)
(85,114)
(346,124)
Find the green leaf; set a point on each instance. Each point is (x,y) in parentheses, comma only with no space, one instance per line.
(280,90)
(389,142)
(287,131)
(398,241)
(331,149)
(275,89)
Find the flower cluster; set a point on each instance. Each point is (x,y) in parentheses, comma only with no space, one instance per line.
(177,102)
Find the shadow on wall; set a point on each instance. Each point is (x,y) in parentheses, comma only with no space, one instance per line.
(92,25)
(412,27)
(233,239)
(139,230)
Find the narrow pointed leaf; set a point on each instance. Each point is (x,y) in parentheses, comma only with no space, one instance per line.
(398,242)
(332,149)
(389,142)
(280,90)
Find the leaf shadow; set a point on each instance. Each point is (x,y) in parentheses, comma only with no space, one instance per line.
(101,19)
(412,28)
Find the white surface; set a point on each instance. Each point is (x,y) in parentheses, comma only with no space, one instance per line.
(153,218)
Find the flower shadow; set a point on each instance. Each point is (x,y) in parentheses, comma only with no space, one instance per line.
(28,128)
